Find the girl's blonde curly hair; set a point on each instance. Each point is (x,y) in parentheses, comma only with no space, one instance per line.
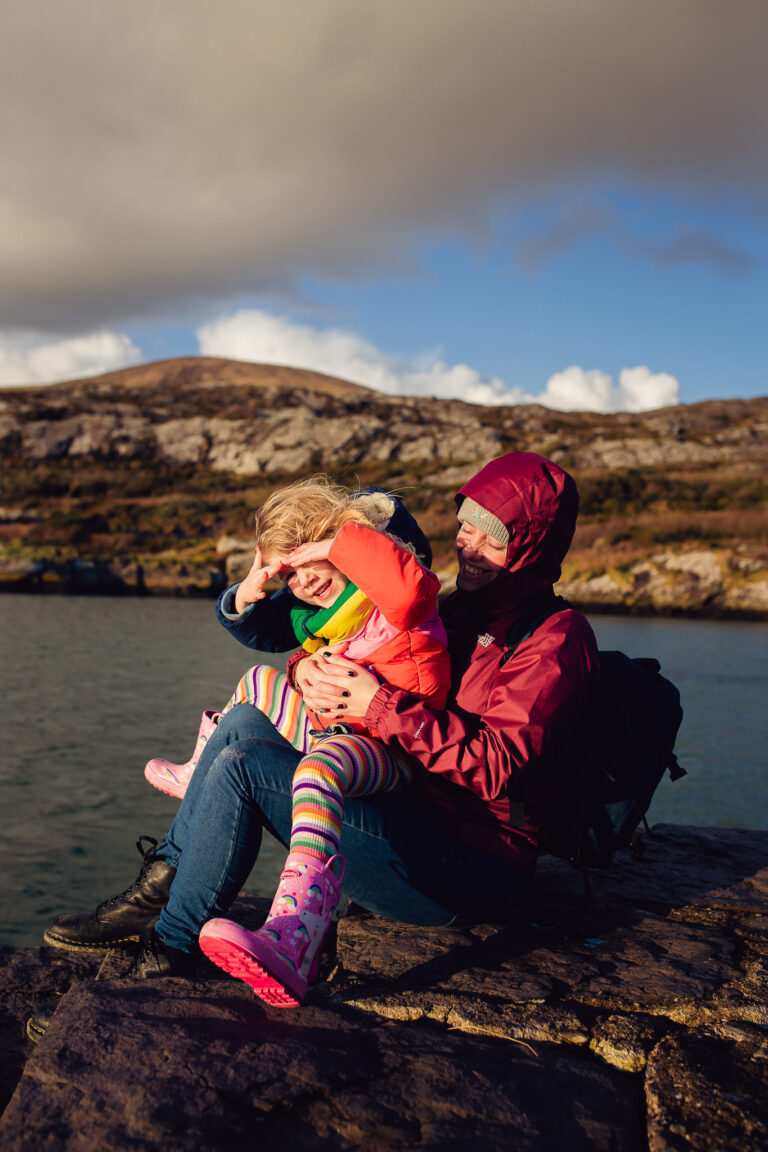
(304,512)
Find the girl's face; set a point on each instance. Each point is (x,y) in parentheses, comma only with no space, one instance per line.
(318,582)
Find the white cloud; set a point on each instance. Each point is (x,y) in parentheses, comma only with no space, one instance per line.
(30,358)
(263,338)
(589,390)
(641,389)
(260,337)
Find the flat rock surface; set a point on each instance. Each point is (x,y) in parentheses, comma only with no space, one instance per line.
(646,1028)
(708,868)
(28,977)
(708,1093)
(227,1072)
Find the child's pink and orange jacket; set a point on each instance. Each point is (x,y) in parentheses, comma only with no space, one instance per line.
(403,641)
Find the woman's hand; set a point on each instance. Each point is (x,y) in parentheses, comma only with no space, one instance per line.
(306,553)
(335,686)
(251,588)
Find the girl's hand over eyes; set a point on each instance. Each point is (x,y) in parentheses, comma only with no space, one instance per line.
(306,553)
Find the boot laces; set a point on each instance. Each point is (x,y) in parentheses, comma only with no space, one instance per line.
(149,856)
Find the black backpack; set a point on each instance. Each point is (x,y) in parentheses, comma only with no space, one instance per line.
(616,755)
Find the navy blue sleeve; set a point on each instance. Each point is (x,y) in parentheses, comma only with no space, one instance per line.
(265,625)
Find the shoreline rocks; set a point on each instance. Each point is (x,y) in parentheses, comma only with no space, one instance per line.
(697,584)
(646,1028)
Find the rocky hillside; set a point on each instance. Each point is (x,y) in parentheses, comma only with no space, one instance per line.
(146,479)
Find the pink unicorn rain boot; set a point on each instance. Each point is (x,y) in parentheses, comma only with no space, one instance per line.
(174,778)
(280,960)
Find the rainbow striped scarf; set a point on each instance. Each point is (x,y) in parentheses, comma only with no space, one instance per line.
(344,618)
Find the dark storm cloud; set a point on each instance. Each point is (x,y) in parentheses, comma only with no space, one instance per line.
(695,246)
(158,152)
(567,229)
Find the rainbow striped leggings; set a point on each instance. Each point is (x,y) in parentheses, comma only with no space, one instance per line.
(334,766)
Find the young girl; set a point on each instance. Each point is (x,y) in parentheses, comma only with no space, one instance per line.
(266,630)
(368,598)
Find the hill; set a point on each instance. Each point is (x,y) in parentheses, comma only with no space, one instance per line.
(148,477)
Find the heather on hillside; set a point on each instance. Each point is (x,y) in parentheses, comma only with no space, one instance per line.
(161,467)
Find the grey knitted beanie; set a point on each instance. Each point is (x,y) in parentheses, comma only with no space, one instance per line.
(481,518)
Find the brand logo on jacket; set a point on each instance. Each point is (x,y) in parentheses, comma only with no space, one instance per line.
(485,640)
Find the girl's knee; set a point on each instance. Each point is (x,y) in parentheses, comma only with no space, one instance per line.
(326,761)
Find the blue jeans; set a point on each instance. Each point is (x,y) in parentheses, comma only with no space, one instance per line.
(401,862)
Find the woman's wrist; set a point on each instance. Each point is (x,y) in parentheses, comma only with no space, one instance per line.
(377,706)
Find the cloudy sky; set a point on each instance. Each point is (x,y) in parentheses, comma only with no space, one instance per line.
(498,200)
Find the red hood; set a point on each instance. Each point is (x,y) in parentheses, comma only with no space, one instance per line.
(537,502)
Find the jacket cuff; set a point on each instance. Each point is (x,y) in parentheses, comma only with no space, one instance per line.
(381,706)
(290,667)
(227,605)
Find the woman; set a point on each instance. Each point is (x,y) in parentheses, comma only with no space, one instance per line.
(447,851)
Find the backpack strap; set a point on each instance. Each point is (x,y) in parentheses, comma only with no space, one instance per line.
(573,927)
(533,615)
(529,620)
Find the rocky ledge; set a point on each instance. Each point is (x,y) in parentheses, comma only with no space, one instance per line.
(647,1028)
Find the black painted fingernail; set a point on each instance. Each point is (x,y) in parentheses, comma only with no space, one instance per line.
(351,673)
(325,655)
(340,706)
(344,692)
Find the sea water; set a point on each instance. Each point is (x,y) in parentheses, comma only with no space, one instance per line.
(92,687)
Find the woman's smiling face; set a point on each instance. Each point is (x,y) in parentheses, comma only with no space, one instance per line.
(481,558)
(319,582)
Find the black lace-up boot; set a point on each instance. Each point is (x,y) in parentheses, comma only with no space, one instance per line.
(37,1024)
(158,959)
(121,919)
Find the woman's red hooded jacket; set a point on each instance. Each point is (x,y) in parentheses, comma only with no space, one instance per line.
(496,742)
